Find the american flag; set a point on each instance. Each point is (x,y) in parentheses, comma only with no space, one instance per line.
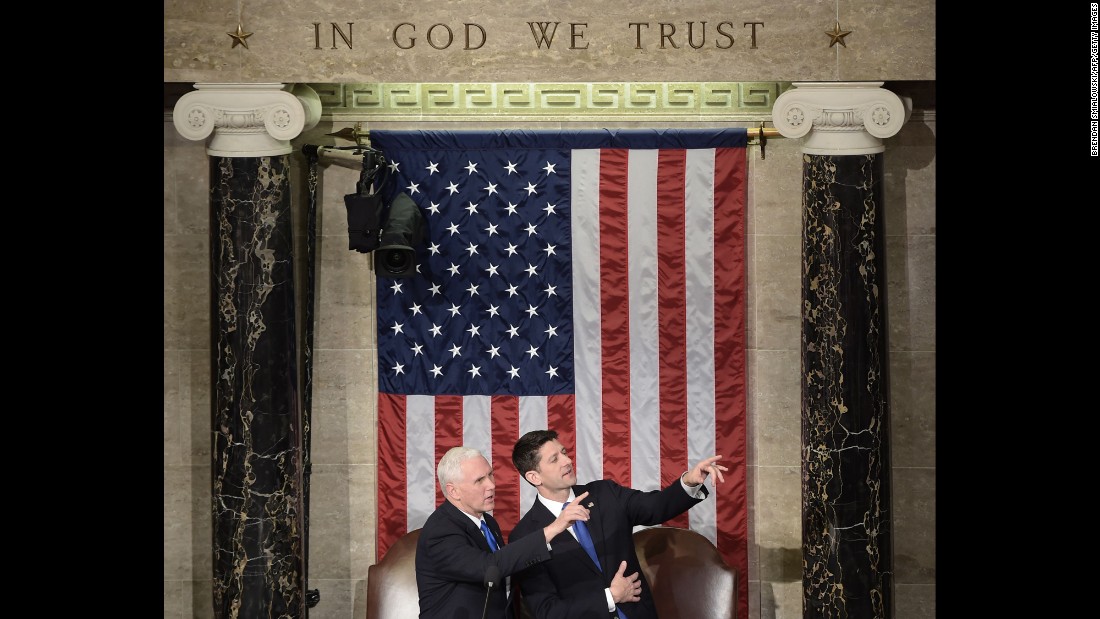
(590,282)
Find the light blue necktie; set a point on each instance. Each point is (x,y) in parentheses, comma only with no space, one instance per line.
(489,536)
(585,538)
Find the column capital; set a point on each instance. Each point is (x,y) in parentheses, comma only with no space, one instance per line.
(247,120)
(840,118)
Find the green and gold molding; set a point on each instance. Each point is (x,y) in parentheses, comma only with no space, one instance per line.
(600,101)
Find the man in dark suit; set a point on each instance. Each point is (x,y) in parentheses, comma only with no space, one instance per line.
(571,585)
(453,553)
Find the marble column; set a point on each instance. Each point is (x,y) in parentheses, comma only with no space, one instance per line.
(847,556)
(256,410)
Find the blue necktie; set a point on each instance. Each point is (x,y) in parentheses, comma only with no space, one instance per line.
(585,538)
(489,536)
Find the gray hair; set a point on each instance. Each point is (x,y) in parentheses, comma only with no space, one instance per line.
(450,465)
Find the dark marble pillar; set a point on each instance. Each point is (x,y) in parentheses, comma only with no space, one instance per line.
(846,530)
(257,425)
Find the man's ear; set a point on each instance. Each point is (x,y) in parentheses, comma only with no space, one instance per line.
(451,492)
(533,478)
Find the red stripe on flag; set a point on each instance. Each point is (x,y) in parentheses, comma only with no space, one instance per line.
(448,431)
(729,361)
(614,318)
(672,317)
(561,416)
(505,433)
(392,500)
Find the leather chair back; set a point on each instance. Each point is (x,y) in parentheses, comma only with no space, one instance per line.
(391,583)
(688,576)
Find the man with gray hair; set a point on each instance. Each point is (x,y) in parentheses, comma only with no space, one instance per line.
(461,547)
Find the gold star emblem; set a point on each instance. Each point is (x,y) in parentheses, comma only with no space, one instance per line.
(240,35)
(837,35)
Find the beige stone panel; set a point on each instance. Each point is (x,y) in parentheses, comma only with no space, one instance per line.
(780,600)
(754,162)
(777,189)
(171,224)
(177,530)
(751,294)
(914,521)
(751,379)
(777,275)
(195,405)
(342,521)
(190,168)
(914,601)
(791,44)
(750,494)
(191,409)
(359,598)
(910,179)
(175,606)
(186,291)
(345,284)
(202,527)
(337,599)
(336,181)
(911,292)
(913,409)
(329,522)
(780,564)
(363,483)
(202,598)
(922,252)
(189,599)
(778,503)
(343,429)
(777,416)
(172,408)
(195,39)
(895,39)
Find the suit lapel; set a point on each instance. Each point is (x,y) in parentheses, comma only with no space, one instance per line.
(472,531)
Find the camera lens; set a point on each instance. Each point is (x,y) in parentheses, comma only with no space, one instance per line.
(397,261)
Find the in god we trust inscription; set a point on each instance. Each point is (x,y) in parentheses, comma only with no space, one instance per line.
(546,35)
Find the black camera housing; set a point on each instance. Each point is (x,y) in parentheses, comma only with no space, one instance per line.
(401,233)
(364,221)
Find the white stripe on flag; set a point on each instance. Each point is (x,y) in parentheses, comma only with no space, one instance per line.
(532,416)
(645,423)
(700,267)
(476,424)
(588,372)
(420,458)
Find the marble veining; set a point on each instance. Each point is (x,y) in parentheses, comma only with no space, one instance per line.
(846,533)
(257,510)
